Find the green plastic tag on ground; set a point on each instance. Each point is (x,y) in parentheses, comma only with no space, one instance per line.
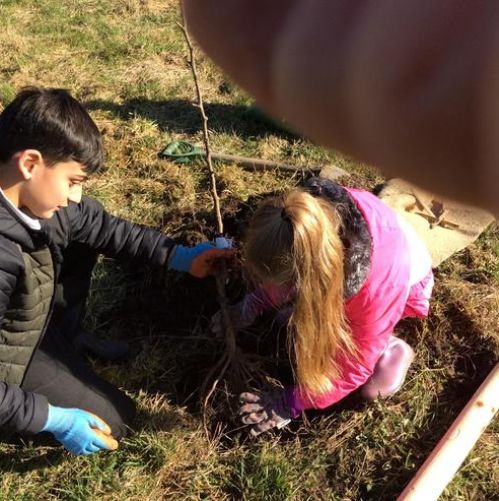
(181,152)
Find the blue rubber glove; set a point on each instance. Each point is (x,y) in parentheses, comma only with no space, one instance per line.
(73,428)
(199,261)
(181,257)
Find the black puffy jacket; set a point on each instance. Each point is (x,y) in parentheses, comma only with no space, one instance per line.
(30,262)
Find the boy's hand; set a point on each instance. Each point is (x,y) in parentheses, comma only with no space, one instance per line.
(80,432)
(265,411)
(200,260)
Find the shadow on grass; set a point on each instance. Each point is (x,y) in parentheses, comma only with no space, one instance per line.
(181,116)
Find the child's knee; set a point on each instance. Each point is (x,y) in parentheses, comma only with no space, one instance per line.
(122,416)
(118,410)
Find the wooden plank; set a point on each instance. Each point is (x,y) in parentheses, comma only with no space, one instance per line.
(442,464)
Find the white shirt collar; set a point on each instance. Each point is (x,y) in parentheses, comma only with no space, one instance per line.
(32,223)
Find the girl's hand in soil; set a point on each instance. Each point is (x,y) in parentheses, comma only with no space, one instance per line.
(265,411)
(200,261)
(236,313)
(216,325)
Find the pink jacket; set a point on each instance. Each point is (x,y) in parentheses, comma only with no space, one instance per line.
(385,298)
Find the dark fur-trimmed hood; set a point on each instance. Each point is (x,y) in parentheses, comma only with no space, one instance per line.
(355,234)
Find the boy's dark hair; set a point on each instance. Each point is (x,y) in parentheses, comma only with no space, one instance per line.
(55,124)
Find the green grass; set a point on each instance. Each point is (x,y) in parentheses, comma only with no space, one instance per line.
(126,60)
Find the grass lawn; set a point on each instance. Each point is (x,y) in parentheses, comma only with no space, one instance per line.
(126,60)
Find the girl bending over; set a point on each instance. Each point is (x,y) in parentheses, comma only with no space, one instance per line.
(350,269)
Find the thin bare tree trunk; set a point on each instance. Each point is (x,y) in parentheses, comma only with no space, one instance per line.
(230,356)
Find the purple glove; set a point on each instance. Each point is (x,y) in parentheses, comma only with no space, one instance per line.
(244,313)
(266,410)
(240,317)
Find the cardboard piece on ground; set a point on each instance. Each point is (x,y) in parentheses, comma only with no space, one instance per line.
(443,239)
(333,172)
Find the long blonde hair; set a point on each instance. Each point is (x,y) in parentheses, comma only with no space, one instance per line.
(295,240)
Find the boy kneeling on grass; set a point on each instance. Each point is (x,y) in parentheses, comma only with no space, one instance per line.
(49,146)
